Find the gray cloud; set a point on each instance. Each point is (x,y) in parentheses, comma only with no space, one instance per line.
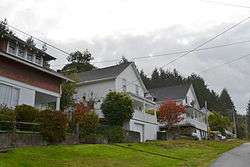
(235,77)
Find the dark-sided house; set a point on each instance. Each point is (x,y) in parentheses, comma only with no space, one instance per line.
(24,77)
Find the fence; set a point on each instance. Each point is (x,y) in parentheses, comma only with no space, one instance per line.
(16,134)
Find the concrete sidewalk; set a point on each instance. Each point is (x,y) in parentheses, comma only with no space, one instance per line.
(238,157)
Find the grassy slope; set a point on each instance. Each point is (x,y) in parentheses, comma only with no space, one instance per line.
(153,154)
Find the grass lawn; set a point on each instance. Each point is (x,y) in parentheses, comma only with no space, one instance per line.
(152,154)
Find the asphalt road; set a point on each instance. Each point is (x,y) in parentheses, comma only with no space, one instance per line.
(238,157)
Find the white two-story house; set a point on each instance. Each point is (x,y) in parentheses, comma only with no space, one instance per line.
(195,119)
(96,84)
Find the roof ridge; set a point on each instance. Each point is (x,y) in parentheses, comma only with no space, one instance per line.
(181,85)
(96,69)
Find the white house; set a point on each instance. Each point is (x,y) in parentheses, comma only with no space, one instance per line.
(24,78)
(122,78)
(195,118)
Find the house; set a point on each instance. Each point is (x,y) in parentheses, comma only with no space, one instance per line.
(24,77)
(96,84)
(195,119)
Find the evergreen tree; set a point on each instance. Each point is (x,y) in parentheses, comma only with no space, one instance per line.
(145,78)
(248,119)
(227,105)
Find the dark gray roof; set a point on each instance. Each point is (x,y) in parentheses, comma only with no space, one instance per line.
(102,73)
(172,92)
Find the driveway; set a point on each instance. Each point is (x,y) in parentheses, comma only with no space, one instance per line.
(238,157)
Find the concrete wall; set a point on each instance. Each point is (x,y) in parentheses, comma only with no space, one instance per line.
(30,139)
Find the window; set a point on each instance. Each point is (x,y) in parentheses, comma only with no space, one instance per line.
(12,48)
(136,89)
(8,95)
(38,60)
(124,85)
(21,52)
(29,56)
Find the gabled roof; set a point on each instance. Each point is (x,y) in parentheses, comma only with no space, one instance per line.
(99,74)
(173,92)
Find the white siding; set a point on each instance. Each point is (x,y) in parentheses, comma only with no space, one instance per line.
(191,97)
(131,79)
(98,91)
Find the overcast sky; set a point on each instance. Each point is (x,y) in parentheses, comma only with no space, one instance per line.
(134,28)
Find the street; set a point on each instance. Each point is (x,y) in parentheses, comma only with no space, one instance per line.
(239,157)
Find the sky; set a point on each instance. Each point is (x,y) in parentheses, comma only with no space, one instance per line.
(111,29)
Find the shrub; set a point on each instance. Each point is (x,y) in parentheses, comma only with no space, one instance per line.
(53,125)
(26,113)
(6,114)
(117,108)
(88,123)
(114,134)
(86,119)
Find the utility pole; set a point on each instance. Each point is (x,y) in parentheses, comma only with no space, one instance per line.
(234,119)
(246,127)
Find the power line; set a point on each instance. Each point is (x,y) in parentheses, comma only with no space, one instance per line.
(226,63)
(226,4)
(172,53)
(39,40)
(206,42)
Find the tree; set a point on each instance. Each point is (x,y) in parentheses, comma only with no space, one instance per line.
(4,28)
(227,105)
(218,122)
(79,62)
(30,42)
(123,60)
(248,119)
(171,113)
(145,78)
(67,98)
(117,108)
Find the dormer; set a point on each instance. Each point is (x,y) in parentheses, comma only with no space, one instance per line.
(20,49)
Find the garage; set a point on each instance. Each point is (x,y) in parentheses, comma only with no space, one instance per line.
(140,128)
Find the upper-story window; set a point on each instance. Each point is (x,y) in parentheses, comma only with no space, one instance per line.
(21,51)
(124,85)
(29,56)
(38,60)
(137,89)
(12,48)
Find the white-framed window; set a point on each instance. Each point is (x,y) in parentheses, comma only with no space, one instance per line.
(29,56)
(137,90)
(12,47)
(38,60)
(9,95)
(124,85)
(21,51)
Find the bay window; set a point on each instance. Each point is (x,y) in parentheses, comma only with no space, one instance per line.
(9,95)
